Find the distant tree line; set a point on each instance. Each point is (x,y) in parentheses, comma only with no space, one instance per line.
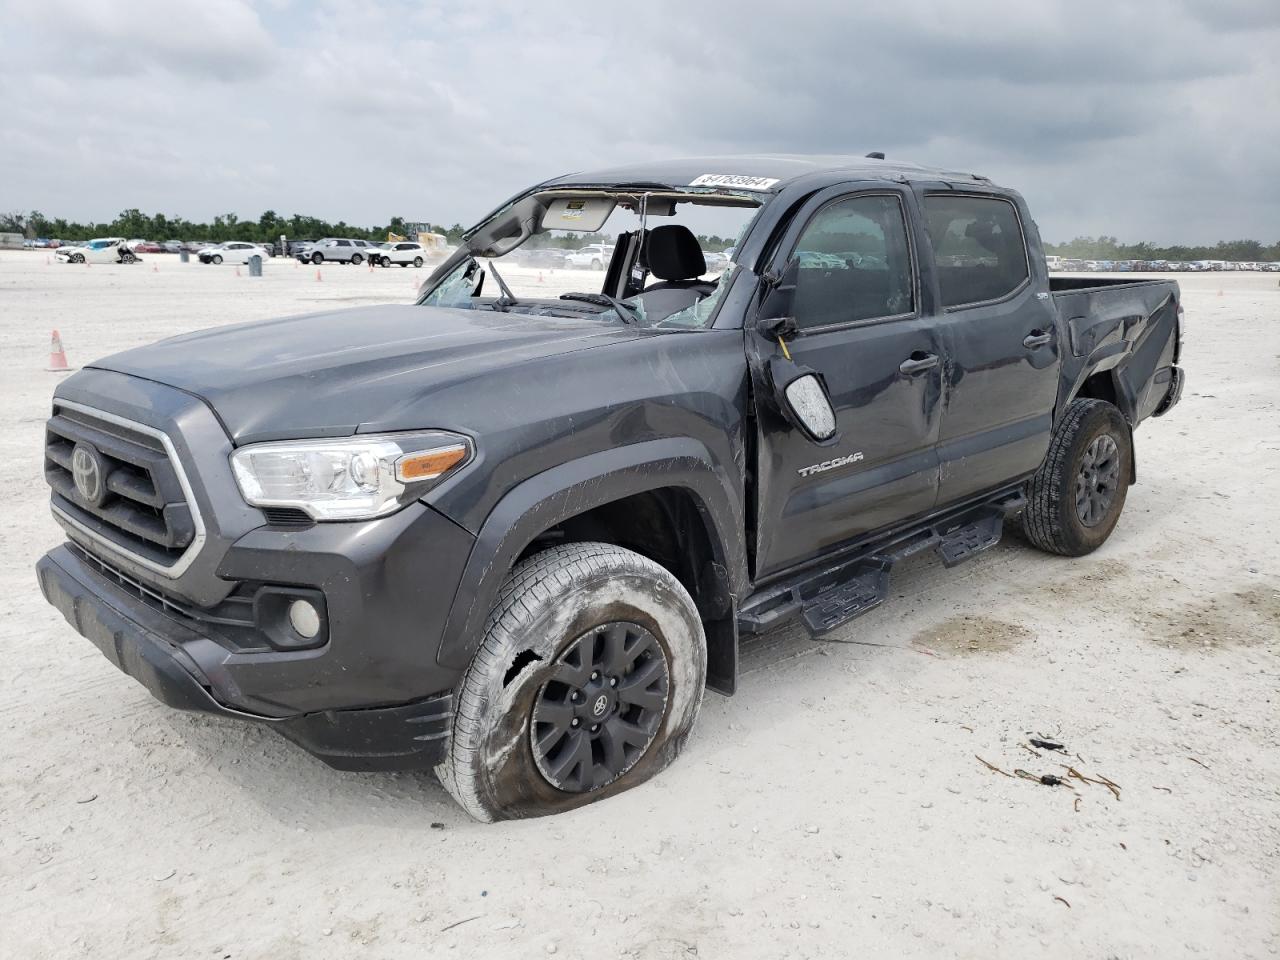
(268,227)
(1109,248)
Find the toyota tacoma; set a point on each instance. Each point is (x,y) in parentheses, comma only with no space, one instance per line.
(510,532)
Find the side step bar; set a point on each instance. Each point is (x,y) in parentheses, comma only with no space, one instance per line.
(830,596)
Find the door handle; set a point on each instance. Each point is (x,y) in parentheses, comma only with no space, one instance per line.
(1036,338)
(917,362)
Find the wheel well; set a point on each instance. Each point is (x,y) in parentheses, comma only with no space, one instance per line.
(667,526)
(1100,386)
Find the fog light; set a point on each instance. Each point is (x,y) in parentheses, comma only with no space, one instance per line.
(304,618)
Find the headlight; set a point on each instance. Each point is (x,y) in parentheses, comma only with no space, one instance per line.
(352,478)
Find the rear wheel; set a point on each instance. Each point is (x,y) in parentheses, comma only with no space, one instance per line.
(417,261)
(597,265)
(587,683)
(1075,498)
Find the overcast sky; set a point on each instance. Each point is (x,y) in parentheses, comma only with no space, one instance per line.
(1156,121)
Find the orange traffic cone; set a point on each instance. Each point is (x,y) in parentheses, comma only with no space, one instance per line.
(46,261)
(154,268)
(318,277)
(237,271)
(539,276)
(57,355)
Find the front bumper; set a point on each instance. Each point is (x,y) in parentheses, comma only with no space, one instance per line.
(165,656)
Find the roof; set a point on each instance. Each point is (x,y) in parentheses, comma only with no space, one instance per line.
(779,170)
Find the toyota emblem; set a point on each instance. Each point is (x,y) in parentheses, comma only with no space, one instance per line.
(86,471)
(600,706)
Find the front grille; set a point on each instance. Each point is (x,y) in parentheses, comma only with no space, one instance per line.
(230,623)
(142,505)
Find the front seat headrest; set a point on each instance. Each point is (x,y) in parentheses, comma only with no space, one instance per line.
(671,252)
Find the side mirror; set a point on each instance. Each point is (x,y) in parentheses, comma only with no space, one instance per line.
(801,395)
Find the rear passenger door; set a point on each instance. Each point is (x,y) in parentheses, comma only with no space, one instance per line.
(1000,340)
(857,310)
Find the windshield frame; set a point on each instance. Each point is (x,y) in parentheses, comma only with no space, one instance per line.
(510,226)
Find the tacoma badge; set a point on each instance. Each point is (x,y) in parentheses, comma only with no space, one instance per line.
(829,464)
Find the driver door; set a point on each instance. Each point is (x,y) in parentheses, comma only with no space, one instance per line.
(860,326)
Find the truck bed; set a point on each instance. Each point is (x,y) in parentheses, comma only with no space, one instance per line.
(1125,328)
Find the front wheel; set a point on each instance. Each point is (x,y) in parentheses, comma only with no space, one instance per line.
(597,265)
(1075,498)
(128,258)
(587,683)
(215,259)
(76,258)
(317,258)
(356,259)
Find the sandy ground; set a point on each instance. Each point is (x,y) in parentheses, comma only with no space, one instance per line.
(834,808)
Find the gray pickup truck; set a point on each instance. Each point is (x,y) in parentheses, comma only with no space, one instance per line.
(512,537)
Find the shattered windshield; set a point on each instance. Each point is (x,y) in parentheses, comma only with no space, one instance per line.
(658,259)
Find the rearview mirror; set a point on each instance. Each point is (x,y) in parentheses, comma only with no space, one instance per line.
(801,395)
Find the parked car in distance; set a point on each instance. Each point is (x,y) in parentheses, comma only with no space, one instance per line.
(716,262)
(234,251)
(335,250)
(99,250)
(172,246)
(546,258)
(404,253)
(594,256)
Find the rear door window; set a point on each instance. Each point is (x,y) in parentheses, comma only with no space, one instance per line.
(855,263)
(978,247)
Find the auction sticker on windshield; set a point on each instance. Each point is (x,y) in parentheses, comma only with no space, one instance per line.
(734,180)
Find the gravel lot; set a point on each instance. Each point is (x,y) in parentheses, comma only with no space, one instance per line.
(835,807)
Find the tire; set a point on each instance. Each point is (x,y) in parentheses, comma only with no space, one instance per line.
(417,262)
(215,259)
(557,614)
(597,265)
(356,259)
(317,258)
(128,258)
(1075,499)
(76,258)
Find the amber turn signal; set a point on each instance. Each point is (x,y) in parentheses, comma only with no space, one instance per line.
(430,463)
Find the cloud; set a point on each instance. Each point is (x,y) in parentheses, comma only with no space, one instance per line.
(1109,118)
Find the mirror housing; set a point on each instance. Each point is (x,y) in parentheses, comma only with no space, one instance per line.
(782,292)
(801,394)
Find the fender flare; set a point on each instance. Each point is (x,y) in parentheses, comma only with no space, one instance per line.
(572,488)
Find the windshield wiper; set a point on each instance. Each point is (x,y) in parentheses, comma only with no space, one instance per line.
(626,311)
(508,299)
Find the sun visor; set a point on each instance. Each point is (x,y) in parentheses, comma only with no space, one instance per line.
(587,214)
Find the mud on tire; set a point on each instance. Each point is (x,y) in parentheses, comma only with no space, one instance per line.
(553,606)
(1075,498)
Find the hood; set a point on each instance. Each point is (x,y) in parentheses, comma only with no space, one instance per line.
(328,374)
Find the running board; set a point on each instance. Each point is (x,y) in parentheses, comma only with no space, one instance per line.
(830,596)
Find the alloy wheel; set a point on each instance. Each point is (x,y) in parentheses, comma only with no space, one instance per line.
(1097,480)
(601,709)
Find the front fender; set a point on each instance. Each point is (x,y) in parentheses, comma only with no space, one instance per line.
(572,488)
